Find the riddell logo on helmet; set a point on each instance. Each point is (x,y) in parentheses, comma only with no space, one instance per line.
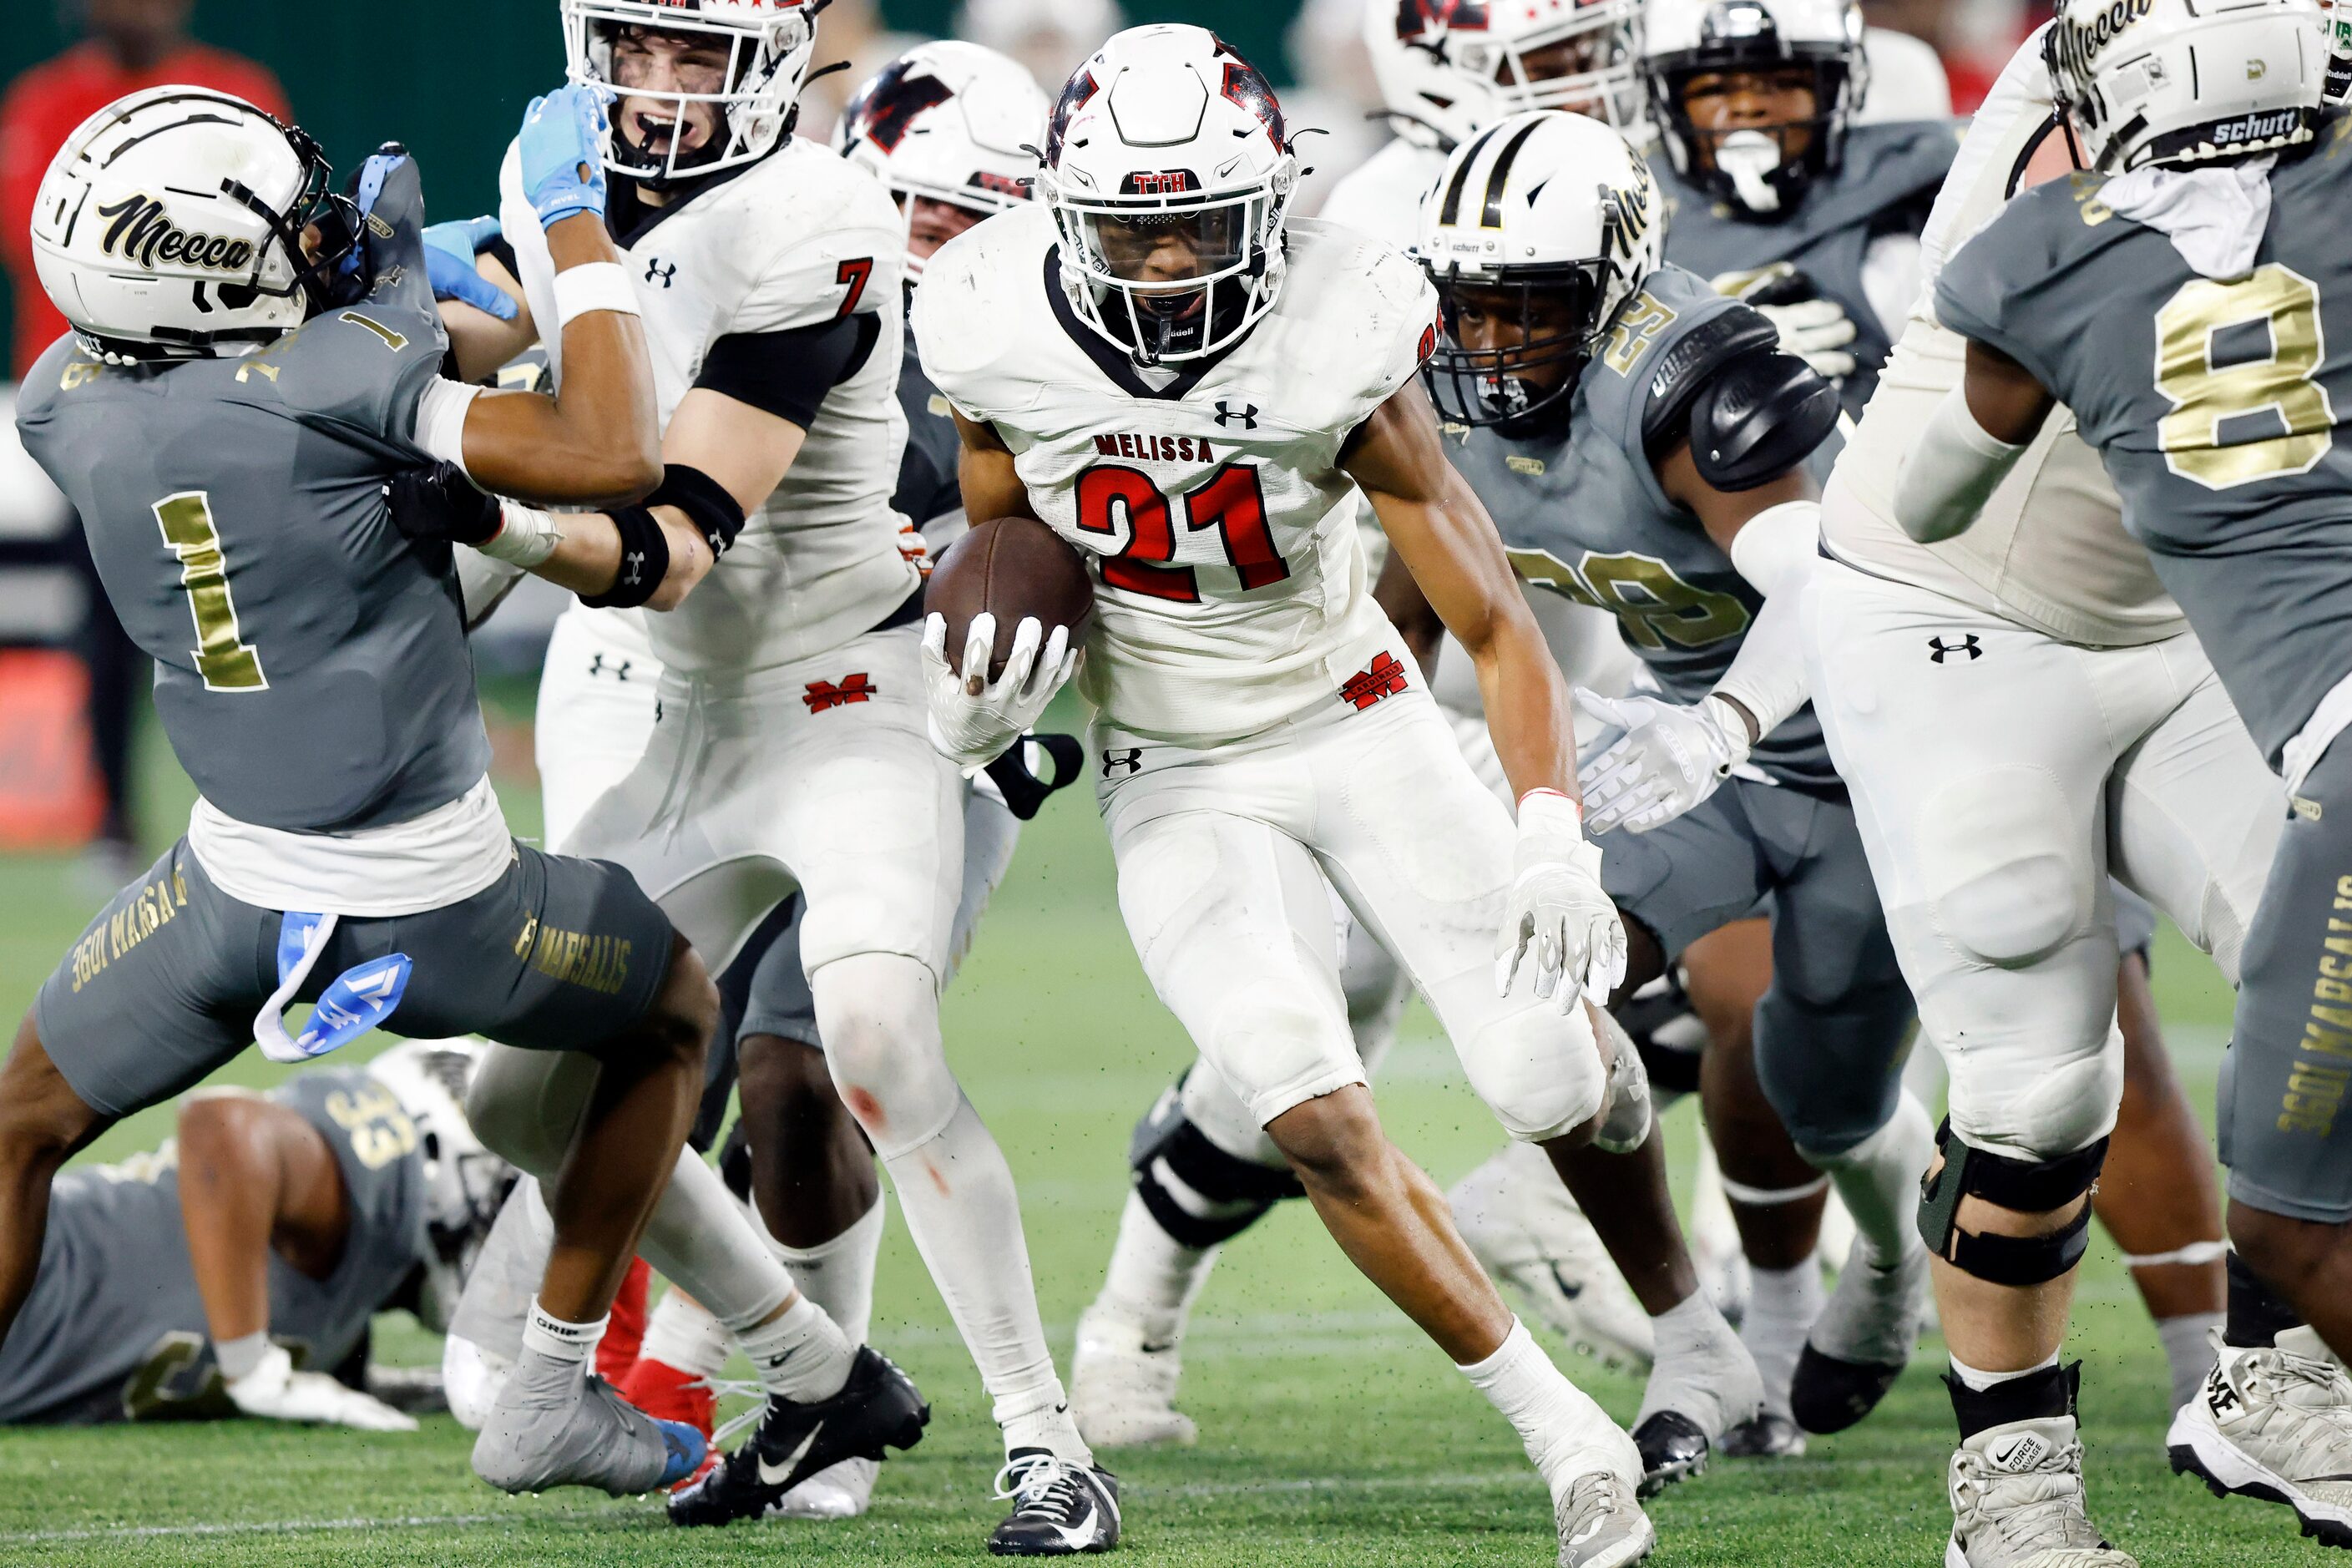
(1159,182)
(142,235)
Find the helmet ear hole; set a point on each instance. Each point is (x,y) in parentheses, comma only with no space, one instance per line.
(237,296)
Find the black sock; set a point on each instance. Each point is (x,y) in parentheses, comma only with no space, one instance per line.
(2036,1396)
(2257,1317)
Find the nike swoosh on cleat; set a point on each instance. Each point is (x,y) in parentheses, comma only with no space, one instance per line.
(777,1474)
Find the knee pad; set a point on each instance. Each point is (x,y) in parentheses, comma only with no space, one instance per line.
(1200,1195)
(2033,1105)
(525,1106)
(1537,1071)
(2022,1186)
(2008,874)
(878,1013)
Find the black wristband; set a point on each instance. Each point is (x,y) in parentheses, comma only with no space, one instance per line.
(706,502)
(644,561)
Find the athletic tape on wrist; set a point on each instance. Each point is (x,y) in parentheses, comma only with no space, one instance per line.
(598,286)
(526,536)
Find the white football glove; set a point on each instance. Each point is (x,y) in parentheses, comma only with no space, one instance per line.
(1557,922)
(1668,760)
(1815,329)
(274,1391)
(973,721)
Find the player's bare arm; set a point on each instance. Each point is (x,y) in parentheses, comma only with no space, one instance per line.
(992,488)
(1441,532)
(481,341)
(1407,607)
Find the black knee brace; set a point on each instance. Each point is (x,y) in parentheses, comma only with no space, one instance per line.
(1222,1197)
(2025,1187)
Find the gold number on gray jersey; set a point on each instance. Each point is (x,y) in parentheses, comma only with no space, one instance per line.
(227,662)
(2275,388)
(1649,598)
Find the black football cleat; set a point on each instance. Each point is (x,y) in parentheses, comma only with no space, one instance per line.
(1673,1448)
(1770,1436)
(1059,1509)
(878,1408)
(1829,1394)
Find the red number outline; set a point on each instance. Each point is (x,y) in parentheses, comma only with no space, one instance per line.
(853,275)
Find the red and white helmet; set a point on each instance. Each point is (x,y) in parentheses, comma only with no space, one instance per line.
(951,122)
(768,43)
(1170,173)
(1449,69)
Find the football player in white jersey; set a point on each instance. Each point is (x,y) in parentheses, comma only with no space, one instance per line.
(788,750)
(1154,336)
(1975,791)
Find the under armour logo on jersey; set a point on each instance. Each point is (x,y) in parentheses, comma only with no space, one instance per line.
(620,670)
(823,696)
(1967,645)
(1119,762)
(660,271)
(1384,678)
(1245,415)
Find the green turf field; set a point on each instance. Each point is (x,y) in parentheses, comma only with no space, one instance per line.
(1331,1433)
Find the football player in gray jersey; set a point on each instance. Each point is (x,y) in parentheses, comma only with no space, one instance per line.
(2178,297)
(236,1269)
(1773,192)
(1642,445)
(254,365)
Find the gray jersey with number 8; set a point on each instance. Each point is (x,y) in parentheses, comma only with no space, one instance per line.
(2215,405)
(312,666)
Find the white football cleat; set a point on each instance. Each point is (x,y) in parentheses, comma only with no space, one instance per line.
(1123,1389)
(2017,1502)
(1525,1230)
(2275,1424)
(1601,1525)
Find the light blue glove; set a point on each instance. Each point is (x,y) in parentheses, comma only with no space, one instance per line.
(449,252)
(365,187)
(563,134)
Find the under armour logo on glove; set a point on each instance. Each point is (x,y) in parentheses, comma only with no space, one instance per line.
(1967,645)
(823,695)
(1385,677)
(659,271)
(1245,415)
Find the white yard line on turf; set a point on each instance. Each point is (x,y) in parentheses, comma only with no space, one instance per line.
(885,1505)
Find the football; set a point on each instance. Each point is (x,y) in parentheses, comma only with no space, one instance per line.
(1011,568)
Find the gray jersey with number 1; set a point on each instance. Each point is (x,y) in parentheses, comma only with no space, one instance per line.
(2216,406)
(310,663)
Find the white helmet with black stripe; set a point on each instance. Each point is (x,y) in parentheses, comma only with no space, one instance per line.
(1169,173)
(1758,161)
(2181,82)
(1541,228)
(948,122)
(766,44)
(1448,68)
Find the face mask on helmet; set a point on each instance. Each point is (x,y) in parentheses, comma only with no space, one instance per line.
(1514,346)
(698,90)
(1752,114)
(1447,69)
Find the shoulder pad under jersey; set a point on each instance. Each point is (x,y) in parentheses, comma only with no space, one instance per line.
(1686,365)
(1759,415)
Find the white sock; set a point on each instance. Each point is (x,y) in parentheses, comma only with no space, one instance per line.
(800,1354)
(700,1238)
(1979,1380)
(556,1355)
(956,1193)
(682,1333)
(237,1358)
(2188,1347)
(1154,1277)
(1781,1305)
(1563,1431)
(1879,1180)
(838,1274)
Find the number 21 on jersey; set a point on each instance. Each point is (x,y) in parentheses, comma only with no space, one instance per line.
(1231,503)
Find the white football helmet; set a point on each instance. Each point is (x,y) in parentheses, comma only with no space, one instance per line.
(169,225)
(465,1183)
(1560,215)
(768,45)
(1448,68)
(2185,81)
(951,122)
(1170,173)
(1760,169)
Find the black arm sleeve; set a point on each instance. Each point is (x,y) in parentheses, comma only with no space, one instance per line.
(787,373)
